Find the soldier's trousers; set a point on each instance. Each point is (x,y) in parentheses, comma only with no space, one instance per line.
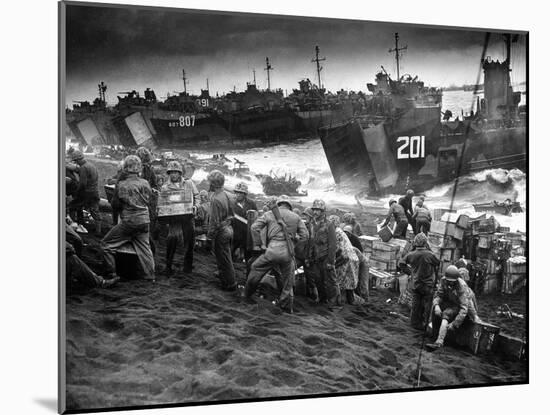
(401,229)
(276,256)
(138,236)
(421,306)
(325,281)
(222,250)
(181,228)
(422,226)
(78,273)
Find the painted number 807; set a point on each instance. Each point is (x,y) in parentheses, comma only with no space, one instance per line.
(412,148)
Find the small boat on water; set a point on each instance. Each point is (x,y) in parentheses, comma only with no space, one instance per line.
(504,208)
(274,185)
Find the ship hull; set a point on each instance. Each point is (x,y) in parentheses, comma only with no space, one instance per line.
(417,152)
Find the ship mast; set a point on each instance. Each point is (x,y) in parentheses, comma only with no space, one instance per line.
(184,82)
(268,68)
(397,49)
(319,67)
(102,88)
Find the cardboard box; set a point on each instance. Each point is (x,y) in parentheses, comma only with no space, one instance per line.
(448,229)
(485,240)
(438,213)
(459,220)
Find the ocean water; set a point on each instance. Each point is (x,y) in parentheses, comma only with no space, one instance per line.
(307,162)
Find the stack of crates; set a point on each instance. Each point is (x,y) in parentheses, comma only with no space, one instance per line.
(515,275)
(367,244)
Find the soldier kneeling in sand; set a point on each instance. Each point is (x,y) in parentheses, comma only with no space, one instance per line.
(453,302)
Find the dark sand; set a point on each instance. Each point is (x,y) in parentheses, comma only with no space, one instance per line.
(181,339)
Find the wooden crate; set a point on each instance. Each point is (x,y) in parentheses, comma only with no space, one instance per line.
(384,255)
(512,283)
(442,241)
(485,240)
(175,202)
(492,284)
(385,233)
(459,220)
(382,265)
(438,213)
(367,241)
(384,246)
(479,338)
(510,347)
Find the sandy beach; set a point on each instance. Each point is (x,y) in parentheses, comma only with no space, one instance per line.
(182,340)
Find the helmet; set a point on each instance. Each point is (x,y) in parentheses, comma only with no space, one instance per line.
(174,166)
(76,155)
(451,273)
(348,217)
(297,211)
(284,199)
(216,178)
(132,164)
(241,187)
(410,193)
(420,240)
(308,212)
(319,204)
(392,201)
(461,263)
(335,219)
(144,154)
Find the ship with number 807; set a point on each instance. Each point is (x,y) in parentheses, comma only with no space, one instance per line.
(403,139)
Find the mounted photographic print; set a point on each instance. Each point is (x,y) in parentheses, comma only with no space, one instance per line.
(272,207)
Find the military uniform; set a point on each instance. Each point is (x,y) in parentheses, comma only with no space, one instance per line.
(277,254)
(133,196)
(401,222)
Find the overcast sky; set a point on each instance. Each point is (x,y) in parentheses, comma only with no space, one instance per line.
(131,48)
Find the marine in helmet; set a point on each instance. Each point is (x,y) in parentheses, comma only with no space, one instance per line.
(407,203)
(148,174)
(398,214)
(422,217)
(453,302)
(131,197)
(241,206)
(86,195)
(349,218)
(423,268)
(220,230)
(181,228)
(322,282)
(280,224)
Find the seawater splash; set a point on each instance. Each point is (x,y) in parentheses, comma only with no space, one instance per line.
(306,162)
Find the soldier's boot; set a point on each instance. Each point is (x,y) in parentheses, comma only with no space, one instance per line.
(441,337)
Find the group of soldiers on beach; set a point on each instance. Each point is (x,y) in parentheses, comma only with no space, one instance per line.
(277,239)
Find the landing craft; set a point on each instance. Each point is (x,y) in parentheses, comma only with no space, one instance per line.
(400,140)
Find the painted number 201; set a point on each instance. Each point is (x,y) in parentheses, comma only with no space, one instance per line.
(412,147)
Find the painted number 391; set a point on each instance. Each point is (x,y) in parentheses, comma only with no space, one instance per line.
(412,147)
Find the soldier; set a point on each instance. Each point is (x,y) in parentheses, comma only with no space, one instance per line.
(87,192)
(180,227)
(452,303)
(132,199)
(323,256)
(282,233)
(221,231)
(407,203)
(350,219)
(240,229)
(422,218)
(78,274)
(398,213)
(148,174)
(424,266)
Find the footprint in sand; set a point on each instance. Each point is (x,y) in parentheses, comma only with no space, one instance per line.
(221,356)
(185,332)
(312,340)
